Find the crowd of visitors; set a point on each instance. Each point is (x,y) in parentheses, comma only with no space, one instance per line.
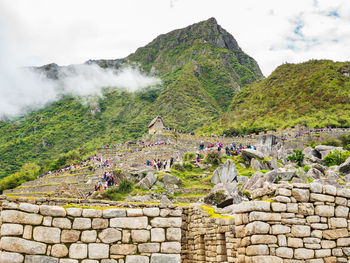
(161,165)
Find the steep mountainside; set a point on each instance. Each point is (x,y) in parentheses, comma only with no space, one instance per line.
(201,67)
(315,94)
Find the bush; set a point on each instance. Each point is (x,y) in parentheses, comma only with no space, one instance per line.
(189,156)
(297,157)
(332,142)
(179,167)
(28,172)
(213,158)
(336,157)
(187,166)
(117,171)
(125,186)
(306,168)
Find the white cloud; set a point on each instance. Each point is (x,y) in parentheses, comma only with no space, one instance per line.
(66,32)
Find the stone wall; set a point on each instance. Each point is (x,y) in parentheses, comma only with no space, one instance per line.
(43,234)
(307,223)
(303,223)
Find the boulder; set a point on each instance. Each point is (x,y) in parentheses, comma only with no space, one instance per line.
(223,195)
(310,152)
(225,173)
(286,173)
(319,167)
(255,181)
(344,168)
(148,181)
(256,165)
(323,150)
(269,144)
(314,173)
(249,154)
(272,164)
(171,179)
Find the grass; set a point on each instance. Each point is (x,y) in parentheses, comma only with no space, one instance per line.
(211,211)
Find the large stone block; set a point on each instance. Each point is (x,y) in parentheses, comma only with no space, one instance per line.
(149,247)
(157,234)
(343,192)
(8,257)
(130,223)
(111,235)
(70,236)
(59,251)
(15,244)
(256,250)
(166,222)
(68,260)
(263,239)
(92,213)
(11,229)
(303,253)
(280,229)
(342,211)
(40,259)
(137,259)
(249,206)
(343,242)
(123,249)
(151,211)
(263,216)
(306,209)
(140,235)
(284,252)
(335,222)
(301,195)
(134,212)
(321,198)
(89,236)
(114,212)
(98,251)
(78,251)
(301,231)
(173,234)
(64,223)
(49,235)
(324,210)
(165,258)
(13,216)
(74,211)
(171,247)
(99,223)
(257,227)
(82,223)
(267,259)
(47,210)
(295,242)
(335,233)
(30,208)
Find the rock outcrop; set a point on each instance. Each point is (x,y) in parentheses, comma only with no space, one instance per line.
(225,173)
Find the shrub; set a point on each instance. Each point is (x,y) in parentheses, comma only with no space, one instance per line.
(179,167)
(336,157)
(28,172)
(117,171)
(189,156)
(125,186)
(213,158)
(306,168)
(297,157)
(187,166)
(332,142)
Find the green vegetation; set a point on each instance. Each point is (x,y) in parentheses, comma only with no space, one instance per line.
(343,141)
(214,158)
(336,157)
(297,157)
(306,168)
(314,94)
(28,172)
(125,187)
(199,77)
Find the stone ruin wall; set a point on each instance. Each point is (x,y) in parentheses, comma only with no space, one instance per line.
(301,223)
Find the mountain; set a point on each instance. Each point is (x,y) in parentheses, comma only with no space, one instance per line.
(201,68)
(314,94)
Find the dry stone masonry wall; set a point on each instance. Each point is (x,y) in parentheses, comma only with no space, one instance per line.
(304,223)
(307,223)
(45,234)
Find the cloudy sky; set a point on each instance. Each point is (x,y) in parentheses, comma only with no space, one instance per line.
(271,31)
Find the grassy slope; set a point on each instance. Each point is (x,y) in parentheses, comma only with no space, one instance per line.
(199,79)
(315,94)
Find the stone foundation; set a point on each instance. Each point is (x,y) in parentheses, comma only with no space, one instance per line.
(303,223)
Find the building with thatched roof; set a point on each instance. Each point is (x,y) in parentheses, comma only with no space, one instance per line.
(156,126)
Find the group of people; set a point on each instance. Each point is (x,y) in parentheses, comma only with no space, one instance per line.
(160,165)
(231,149)
(105,182)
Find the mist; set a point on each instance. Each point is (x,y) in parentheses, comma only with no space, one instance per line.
(24,89)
